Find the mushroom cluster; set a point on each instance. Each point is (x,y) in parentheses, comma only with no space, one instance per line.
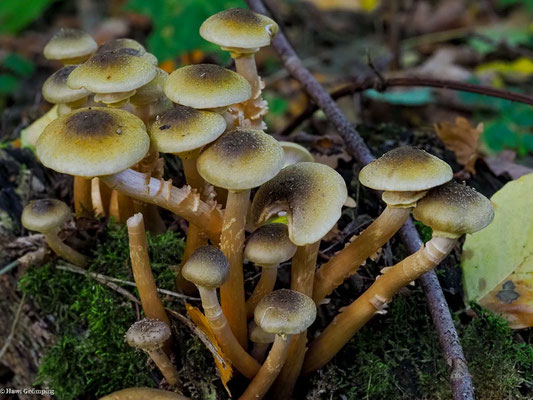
(118,111)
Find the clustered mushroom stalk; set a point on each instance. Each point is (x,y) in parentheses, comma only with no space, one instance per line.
(450,210)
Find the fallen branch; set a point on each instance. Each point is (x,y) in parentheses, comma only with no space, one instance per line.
(13,326)
(461,382)
(383,84)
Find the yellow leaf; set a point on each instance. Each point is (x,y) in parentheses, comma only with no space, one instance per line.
(348,5)
(497,261)
(463,139)
(222,362)
(521,68)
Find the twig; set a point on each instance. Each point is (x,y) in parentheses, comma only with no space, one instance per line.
(383,84)
(460,378)
(107,279)
(13,327)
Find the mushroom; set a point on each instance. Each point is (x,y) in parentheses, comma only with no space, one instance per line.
(150,335)
(294,153)
(143,101)
(452,210)
(405,174)
(208,269)
(243,32)
(130,46)
(238,161)
(143,393)
(74,144)
(70,46)
(261,340)
(46,216)
(268,246)
(285,313)
(312,195)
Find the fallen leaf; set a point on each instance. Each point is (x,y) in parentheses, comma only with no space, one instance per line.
(348,5)
(463,139)
(221,361)
(504,163)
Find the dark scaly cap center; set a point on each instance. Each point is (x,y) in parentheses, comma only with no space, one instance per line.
(91,123)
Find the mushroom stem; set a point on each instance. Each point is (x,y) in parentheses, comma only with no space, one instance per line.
(83,204)
(166,367)
(264,286)
(346,262)
(374,299)
(302,278)
(181,201)
(232,244)
(270,369)
(101,197)
(63,250)
(259,351)
(240,359)
(142,270)
(255,107)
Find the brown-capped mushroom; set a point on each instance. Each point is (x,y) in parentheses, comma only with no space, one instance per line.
(143,393)
(452,210)
(70,46)
(46,216)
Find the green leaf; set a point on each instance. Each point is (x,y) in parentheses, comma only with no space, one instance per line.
(8,84)
(412,97)
(15,15)
(498,136)
(20,65)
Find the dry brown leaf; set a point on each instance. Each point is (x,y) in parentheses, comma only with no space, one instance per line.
(504,163)
(224,368)
(463,139)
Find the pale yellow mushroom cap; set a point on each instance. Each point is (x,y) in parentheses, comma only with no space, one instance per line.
(239,28)
(241,160)
(93,141)
(312,194)
(148,334)
(285,312)
(207,267)
(143,393)
(68,44)
(405,169)
(453,210)
(112,72)
(45,215)
(206,86)
(56,91)
(258,335)
(184,129)
(269,245)
(121,43)
(294,153)
(152,91)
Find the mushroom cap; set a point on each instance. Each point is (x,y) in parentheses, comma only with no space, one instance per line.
(93,141)
(45,215)
(207,267)
(241,160)
(143,393)
(152,91)
(148,334)
(269,245)
(184,129)
(312,194)
(294,153)
(285,312)
(111,72)
(69,44)
(453,209)
(206,86)
(239,28)
(258,335)
(56,91)
(405,169)
(121,43)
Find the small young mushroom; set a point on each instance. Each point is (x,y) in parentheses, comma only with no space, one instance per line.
(46,216)
(150,335)
(294,153)
(268,246)
(285,313)
(208,269)
(70,46)
(261,340)
(143,393)
(243,32)
(238,161)
(452,210)
(405,174)
(146,96)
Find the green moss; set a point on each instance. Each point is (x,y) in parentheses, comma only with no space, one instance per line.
(90,358)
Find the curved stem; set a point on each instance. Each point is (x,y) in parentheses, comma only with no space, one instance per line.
(255,107)
(259,351)
(83,203)
(302,278)
(346,262)
(232,245)
(264,286)
(374,299)
(181,201)
(169,371)
(240,359)
(270,369)
(63,250)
